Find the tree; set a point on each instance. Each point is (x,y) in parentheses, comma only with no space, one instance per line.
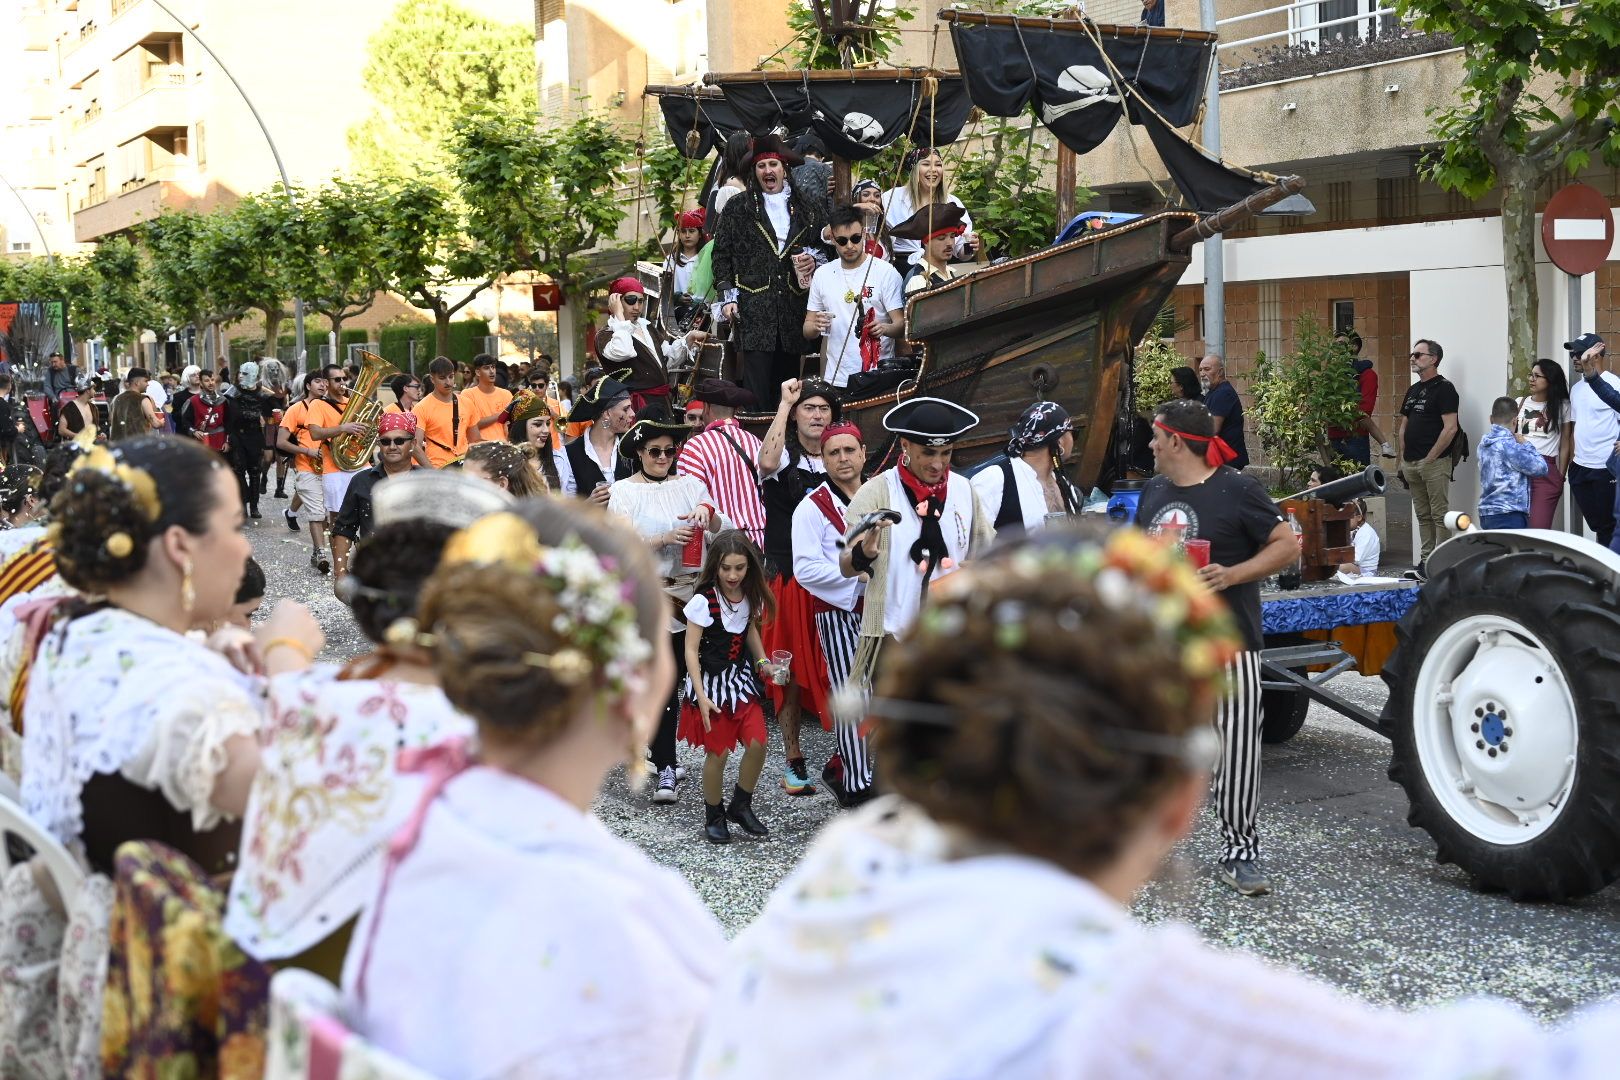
(544,198)
(1299,396)
(119,304)
(1004,181)
(1540,95)
(333,264)
(183,273)
(430,253)
(245,254)
(1154,358)
(431,62)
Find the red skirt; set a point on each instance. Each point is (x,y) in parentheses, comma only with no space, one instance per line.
(794,629)
(728,728)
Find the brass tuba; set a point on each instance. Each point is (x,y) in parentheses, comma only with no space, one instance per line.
(353,452)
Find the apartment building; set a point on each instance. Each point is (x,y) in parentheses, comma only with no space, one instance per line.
(34,217)
(1338,92)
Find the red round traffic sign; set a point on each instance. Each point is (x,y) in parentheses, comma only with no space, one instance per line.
(1577,229)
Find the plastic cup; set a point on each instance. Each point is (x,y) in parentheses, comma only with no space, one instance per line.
(1198,553)
(781,667)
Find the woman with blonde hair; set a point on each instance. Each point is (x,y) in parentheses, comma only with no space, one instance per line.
(546,624)
(925,183)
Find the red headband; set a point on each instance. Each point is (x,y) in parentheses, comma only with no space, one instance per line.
(627,285)
(691,219)
(769,155)
(1216,452)
(954,230)
(843,427)
(397,421)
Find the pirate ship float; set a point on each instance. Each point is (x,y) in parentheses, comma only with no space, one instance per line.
(1057,324)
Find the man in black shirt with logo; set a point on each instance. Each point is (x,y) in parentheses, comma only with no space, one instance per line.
(1198,496)
(1427,427)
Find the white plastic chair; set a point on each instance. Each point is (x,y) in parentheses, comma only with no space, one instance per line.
(309,1041)
(64,870)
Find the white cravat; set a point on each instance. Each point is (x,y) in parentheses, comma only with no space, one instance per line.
(780,215)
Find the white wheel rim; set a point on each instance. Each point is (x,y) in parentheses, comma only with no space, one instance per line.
(1495,728)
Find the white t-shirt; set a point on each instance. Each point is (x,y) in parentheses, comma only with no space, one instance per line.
(1368,548)
(1596,425)
(1532,424)
(735,620)
(873,285)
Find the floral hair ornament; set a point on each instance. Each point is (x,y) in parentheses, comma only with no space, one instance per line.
(598,619)
(138,482)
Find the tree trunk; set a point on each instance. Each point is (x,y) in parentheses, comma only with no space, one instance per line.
(1519,268)
(337,339)
(273,318)
(576,357)
(441,331)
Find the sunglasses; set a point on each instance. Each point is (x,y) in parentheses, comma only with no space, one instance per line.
(394,442)
(659,452)
(844,241)
(1420,356)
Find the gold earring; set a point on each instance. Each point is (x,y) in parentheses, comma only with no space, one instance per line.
(188,590)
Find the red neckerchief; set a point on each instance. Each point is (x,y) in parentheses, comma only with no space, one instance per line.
(871,346)
(921,491)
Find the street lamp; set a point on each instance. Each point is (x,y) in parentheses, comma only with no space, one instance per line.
(286,181)
(50,256)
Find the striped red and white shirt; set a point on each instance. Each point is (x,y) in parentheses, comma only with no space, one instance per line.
(712,456)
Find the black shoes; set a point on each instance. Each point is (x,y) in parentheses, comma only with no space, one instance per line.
(714,824)
(741,811)
(253,510)
(287,516)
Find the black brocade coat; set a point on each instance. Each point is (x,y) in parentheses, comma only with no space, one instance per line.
(770,304)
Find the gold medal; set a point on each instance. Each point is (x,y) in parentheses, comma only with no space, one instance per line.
(849,296)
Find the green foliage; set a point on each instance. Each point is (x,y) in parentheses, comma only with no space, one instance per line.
(332,265)
(811,47)
(1155,356)
(1004,185)
(172,240)
(431,62)
(119,306)
(674,180)
(463,343)
(244,255)
(1299,396)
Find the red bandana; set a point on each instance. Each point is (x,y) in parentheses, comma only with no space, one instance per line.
(921,491)
(1216,452)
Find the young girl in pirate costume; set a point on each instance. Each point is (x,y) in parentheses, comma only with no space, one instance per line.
(722,705)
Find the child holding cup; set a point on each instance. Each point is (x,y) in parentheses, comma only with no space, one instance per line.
(721,702)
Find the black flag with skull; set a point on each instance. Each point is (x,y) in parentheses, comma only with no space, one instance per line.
(856,117)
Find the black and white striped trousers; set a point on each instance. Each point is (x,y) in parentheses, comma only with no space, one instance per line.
(840,633)
(1235,787)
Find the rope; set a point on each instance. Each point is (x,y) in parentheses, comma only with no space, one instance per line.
(641,172)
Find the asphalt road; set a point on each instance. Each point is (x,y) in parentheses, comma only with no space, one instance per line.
(1358,897)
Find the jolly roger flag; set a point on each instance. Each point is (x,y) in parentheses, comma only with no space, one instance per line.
(711,118)
(855,117)
(1058,71)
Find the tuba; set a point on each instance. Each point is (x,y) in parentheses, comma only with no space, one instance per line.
(353,452)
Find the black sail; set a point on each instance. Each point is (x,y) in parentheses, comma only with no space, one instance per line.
(697,123)
(1057,70)
(856,115)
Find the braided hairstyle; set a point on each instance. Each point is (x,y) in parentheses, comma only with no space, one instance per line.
(1046,669)
(486,617)
(514,464)
(99,505)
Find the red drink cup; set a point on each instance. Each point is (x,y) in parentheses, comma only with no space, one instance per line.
(1197,553)
(692,554)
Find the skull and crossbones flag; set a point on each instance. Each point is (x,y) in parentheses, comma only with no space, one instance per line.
(855,116)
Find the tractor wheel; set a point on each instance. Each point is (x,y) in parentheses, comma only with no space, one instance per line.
(1504,719)
(1282,714)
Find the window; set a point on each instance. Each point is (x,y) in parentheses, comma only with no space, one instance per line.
(1338,200)
(1344,316)
(1198,321)
(21,245)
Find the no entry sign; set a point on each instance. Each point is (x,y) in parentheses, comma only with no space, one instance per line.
(1577,229)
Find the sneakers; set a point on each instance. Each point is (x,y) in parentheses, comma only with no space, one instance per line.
(287,516)
(680,770)
(1417,573)
(1244,876)
(1386,449)
(665,792)
(796,778)
(320,561)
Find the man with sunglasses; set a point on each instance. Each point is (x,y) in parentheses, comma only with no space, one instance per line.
(1424,433)
(855,304)
(627,342)
(396,440)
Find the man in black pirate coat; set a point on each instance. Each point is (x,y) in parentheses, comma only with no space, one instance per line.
(763,233)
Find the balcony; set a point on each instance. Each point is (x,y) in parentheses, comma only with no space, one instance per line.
(126,209)
(87,116)
(121,6)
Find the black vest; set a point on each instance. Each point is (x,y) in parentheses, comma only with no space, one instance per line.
(586,473)
(719,648)
(782,495)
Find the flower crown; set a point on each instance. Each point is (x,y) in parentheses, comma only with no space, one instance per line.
(597,621)
(1130,572)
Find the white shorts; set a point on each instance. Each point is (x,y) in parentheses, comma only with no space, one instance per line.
(337,486)
(311,495)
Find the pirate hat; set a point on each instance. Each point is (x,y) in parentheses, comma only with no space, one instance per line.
(764,146)
(600,397)
(930,421)
(645,431)
(931,219)
(724,393)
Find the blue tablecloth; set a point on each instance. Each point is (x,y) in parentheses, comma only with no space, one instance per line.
(1307,609)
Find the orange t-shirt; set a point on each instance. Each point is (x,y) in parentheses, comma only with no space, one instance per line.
(476,405)
(298,420)
(444,443)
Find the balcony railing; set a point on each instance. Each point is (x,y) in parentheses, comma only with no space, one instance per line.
(93,195)
(91,114)
(121,6)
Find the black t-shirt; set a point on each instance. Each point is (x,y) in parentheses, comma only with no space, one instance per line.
(1223,401)
(1234,513)
(1425,405)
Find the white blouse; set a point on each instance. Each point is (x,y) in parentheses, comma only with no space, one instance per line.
(111,692)
(652,509)
(327,798)
(897,207)
(521,938)
(1045,977)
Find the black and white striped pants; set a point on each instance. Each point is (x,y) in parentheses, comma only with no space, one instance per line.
(840,633)
(1235,787)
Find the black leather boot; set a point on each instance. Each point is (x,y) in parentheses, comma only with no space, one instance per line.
(741,811)
(714,824)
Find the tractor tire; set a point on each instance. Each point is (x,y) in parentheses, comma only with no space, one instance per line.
(1504,722)
(1282,714)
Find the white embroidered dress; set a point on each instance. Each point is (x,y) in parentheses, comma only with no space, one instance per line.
(519,938)
(327,798)
(1002,966)
(111,692)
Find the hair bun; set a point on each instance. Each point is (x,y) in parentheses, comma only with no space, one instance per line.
(100,532)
